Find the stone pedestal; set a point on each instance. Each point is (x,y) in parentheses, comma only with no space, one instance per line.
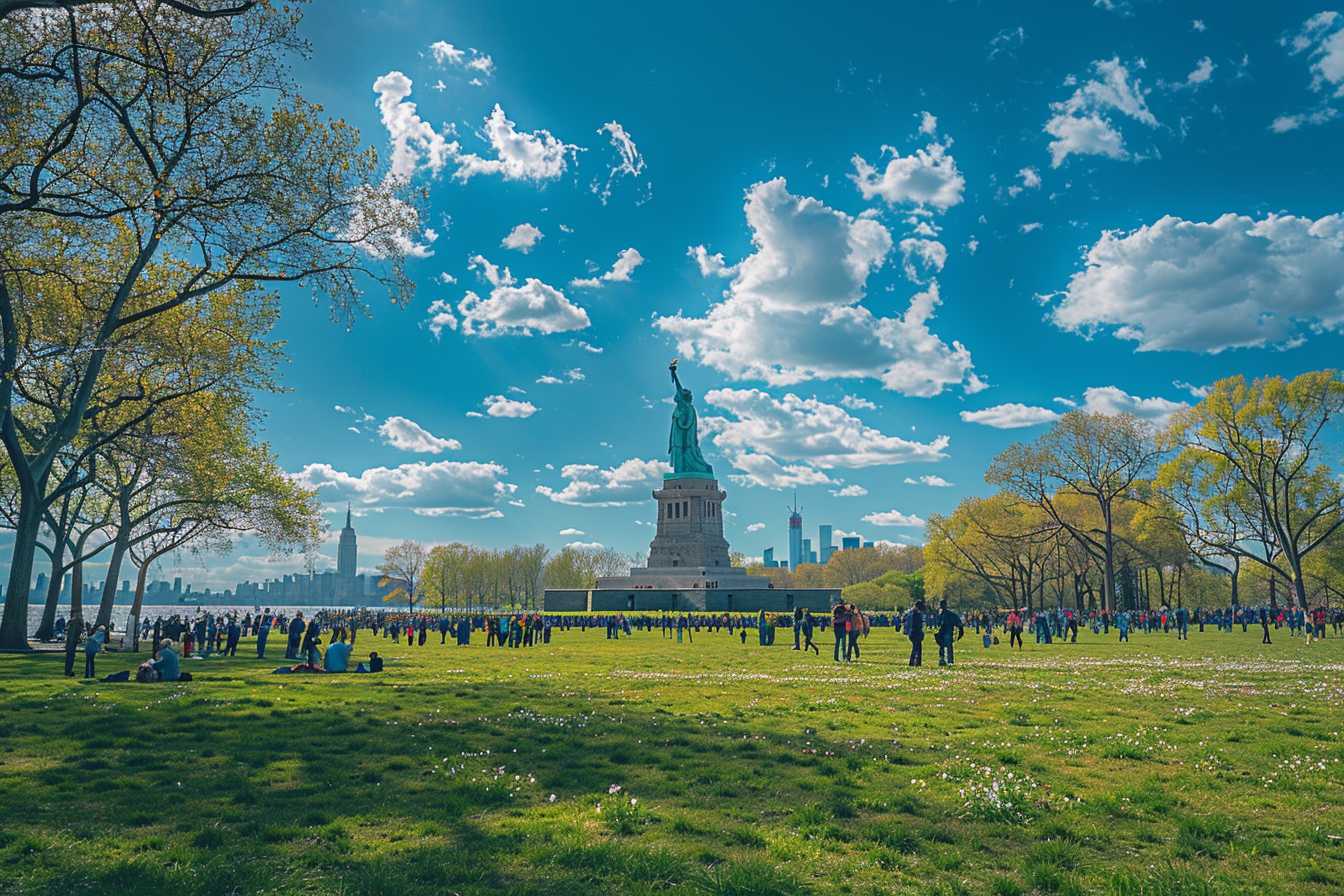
(689,550)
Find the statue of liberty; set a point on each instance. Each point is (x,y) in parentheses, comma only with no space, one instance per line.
(683,442)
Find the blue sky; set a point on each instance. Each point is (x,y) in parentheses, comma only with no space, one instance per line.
(934,223)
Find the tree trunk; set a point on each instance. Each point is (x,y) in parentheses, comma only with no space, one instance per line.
(14,625)
(48,623)
(110,583)
(1236,583)
(135,607)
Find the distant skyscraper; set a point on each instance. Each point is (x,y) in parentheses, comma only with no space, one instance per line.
(867,544)
(347,557)
(796,555)
(768,558)
(177,584)
(824,546)
(850,543)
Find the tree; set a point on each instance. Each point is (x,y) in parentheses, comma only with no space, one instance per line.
(1267,454)
(444,574)
(1099,457)
(151,157)
(401,568)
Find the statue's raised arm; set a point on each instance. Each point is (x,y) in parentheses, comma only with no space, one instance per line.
(676,383)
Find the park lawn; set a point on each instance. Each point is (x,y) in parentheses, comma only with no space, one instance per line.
(1157,768)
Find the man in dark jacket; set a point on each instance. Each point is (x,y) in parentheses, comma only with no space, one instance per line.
(914,628)
(295,635)
(947,622)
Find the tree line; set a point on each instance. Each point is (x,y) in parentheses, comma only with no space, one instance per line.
(1243,489)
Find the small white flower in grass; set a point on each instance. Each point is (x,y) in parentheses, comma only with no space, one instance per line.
(615,788)
(551,798)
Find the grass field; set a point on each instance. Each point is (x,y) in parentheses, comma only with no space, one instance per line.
(1158,768)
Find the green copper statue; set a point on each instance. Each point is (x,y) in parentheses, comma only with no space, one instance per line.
(683,443)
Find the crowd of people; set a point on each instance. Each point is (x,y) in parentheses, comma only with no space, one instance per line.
(177,638)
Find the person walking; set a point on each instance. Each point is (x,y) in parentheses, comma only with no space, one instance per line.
(295,636)
(231,649)
(797,627)
(1014,623)
(1264,624)
(263,632)
(914,629)
(948,621)
(809,625)
(839,616)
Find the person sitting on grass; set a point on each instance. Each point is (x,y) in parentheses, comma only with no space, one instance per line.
(168,666)
(375,663)
(338,657)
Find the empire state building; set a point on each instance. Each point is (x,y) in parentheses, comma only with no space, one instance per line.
(347,555)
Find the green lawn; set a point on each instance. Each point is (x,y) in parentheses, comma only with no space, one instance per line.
(1155,768)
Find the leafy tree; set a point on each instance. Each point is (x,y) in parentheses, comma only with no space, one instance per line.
(401,567)
(1260,462)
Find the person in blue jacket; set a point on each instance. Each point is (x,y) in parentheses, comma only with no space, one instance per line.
(92,646)
(948,621)
(263,632)
(168,664)
(914,629)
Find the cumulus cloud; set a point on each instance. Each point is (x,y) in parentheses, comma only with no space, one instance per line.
(1084,124)
(511,309)
(1114,400)
(1010,416)
(430,489)
(755,527)
(710,265)
(589,485)
(1322,39)
(572,533)
(523,237)
(407,435)
(893,518)
(501,406)
(856,403)
(573,375)
(926,178)
(792,311)
(931,481)
(788,441)
(518,155)
(470,59)
(1027,179)
(629,160)
(415,143)
(850,491)
(1210,286)
(922,258)
(626,262)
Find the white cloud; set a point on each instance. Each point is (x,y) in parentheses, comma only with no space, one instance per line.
(1285,123)
(510,309)
(1207,287)
(928,123)
(710,265)
(626,262)
(1113,400)
(786,441)
(856,403)
(972,245)
(792,311)
(1083,124)
(629,161)
(928,177)
(407,435)
(572,375)
(589,485)
(1322,39)
(585,545)
(1195,391)
(755,527)
(1028,179)
(572,533)
(1198,25)
(850,491)
(500,406)
(441,488)
(893,518)
(445,53)
(415,143)
(523,237)
(1202,72)
(1010,416)
(587,347)
(440,318)
(470,59)
(921,258)
(930,481)
(519,155)
(1031,227)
